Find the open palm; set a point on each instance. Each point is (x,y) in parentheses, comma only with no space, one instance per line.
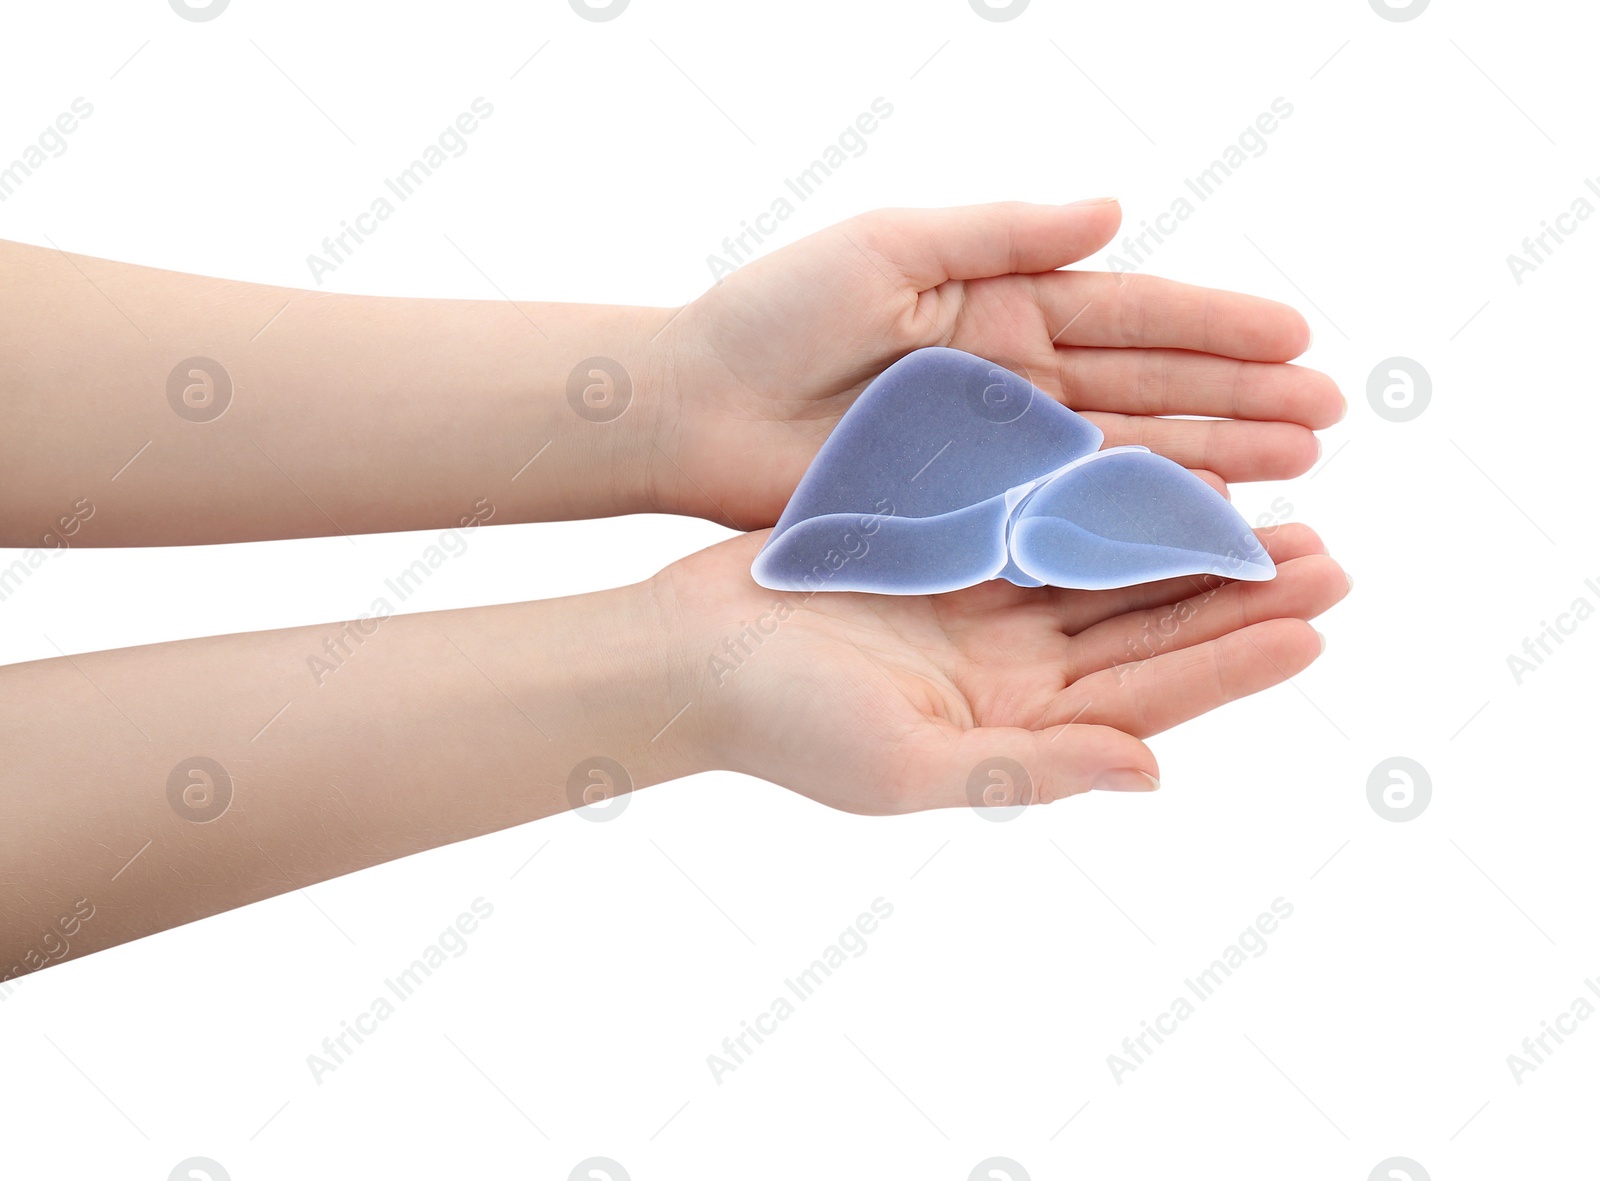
(882,703)
(765,363)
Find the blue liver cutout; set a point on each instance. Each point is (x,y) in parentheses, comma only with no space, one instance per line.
(950,470)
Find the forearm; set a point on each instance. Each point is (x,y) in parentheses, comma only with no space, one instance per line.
(329,749)
(325,413)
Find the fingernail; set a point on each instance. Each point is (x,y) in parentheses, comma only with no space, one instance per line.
(1322,642)
(1344,408)
(1124,779)
(1349,581)
(1093,201)
(1318,438)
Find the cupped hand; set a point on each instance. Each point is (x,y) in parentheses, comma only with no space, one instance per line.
(991,695)
(763,364)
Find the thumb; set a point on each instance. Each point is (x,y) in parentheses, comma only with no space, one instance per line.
(997,766)
(978,241)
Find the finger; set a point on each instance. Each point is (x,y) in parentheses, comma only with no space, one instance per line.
(1157,694)
(996,766)
(1216,482)
(1140,311)
(1234,450)
(930,246)
(1080,610)
(1304,588)
(1172,381)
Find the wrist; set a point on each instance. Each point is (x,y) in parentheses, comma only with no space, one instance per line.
(597,386)
(624,396)
(666,366)
(611,680)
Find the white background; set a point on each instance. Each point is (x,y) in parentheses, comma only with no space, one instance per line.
(977,1024)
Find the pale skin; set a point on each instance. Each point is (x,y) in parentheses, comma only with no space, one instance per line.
(354,414)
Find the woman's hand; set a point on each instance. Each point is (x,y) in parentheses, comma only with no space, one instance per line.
(326,749)
(316,413)
(997,694)
(760,368)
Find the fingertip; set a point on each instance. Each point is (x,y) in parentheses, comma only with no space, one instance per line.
(1338,578)
(1301,451)
(1078,757)
(1104,212)
(1291,644)
(932,246)
(1302,335)
(1283,334)
(1005,766)
(1125,779)
(1215,482)
(1317,399)
(1090,225)
(1316,583)
(1291,539)
(1327,570)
